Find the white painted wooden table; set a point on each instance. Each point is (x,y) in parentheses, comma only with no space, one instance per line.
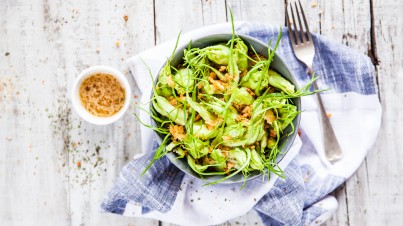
(45,44)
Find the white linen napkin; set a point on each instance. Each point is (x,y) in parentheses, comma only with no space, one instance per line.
(299,199)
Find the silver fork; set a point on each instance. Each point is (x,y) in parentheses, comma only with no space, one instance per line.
(304,49)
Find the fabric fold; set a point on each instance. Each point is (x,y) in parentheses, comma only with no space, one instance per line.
(301,198)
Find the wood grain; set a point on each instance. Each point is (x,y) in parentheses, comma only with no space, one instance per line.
(49,43)
(384,166)
(45,44)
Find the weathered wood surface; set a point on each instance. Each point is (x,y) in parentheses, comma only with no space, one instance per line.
(45,44)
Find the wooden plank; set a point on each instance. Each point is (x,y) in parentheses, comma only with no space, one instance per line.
(269,12)
(346,22)
(45,139)
(171,17)
(33,180)
(50,42)
(341,215)
(106,34)
(341,21)
(250,218)
(213,12)
(384,165)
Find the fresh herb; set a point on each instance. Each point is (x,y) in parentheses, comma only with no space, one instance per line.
(224,110)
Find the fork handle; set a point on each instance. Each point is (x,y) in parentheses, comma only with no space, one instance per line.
(331,145)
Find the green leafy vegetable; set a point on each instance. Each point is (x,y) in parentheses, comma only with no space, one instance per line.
(224,109)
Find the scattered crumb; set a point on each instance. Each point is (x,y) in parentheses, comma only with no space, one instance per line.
(306,178)
(291,21)
(329,115)
(117,43)
(299,132)
(6,54)
(126,18)
(78,164)
(314,4)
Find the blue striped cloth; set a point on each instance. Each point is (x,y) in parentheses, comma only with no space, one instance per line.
(301,198)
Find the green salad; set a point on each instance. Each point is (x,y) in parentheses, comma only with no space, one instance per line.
(224,110)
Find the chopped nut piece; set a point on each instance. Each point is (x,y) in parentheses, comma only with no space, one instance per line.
(173,101)
(226,138)
(222,68)
(126,18)
(213,75)
(182,97)
(229,77)
(178,132)
(208,161)
(170,81)
(197,118)
(250,92)
(246,113)
(117,43)
(230,165)
(269,117)
(273,133)
(217,84)
(210,149)
(243,72)
(239,107)
(209,126)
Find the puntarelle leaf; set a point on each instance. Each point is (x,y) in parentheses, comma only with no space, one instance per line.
(229,109)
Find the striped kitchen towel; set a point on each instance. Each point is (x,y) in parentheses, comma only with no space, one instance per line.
(301,198)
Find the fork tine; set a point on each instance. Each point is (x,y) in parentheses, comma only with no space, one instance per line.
(297,38)
(301,28)
(306,23)
(290,33)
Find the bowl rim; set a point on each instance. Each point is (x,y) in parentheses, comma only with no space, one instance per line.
(79,108)
(290,139)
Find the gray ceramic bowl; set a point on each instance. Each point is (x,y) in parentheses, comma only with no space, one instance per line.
(277,65)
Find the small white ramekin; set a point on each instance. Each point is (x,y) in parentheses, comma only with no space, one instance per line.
(79,108)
